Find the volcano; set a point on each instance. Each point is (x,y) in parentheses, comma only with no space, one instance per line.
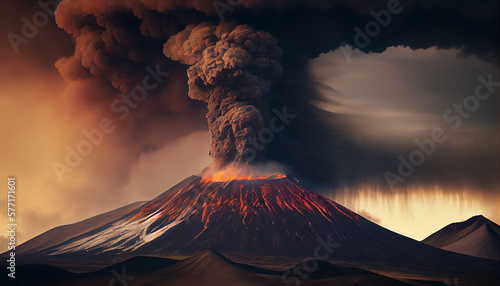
(269,222)
(231,217)
(269,216)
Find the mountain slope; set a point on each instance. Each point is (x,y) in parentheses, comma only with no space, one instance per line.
(62,233)
(248,217)
(477,236)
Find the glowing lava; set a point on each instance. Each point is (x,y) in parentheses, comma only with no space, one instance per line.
(273,216)
(239,173)
(224,177)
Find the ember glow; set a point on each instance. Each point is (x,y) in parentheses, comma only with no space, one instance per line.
(224,177)
(240,173)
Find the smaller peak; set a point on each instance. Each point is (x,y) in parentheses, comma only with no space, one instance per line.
(208,254)
(480,219)
(476,218)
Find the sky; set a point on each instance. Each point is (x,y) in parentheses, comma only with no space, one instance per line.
(359,108)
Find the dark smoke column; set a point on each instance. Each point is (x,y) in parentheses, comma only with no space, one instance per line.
(232,68)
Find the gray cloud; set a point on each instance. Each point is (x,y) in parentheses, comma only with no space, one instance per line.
(388,100)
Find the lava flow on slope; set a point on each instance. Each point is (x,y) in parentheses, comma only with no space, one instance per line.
(269,215)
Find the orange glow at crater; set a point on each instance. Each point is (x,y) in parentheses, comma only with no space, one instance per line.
(224,177)
(240,173)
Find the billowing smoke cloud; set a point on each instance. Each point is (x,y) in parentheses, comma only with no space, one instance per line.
(115,40)
(111,47)
(232,70)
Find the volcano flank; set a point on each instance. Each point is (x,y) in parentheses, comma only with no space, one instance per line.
(270,222)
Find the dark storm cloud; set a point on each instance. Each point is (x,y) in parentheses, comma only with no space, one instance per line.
(386,118)
(115,39)
(315,144)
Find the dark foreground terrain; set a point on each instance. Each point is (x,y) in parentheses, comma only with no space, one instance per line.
(206,268)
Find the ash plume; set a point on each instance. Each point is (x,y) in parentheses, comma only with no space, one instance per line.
(232,68)
(116,39)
